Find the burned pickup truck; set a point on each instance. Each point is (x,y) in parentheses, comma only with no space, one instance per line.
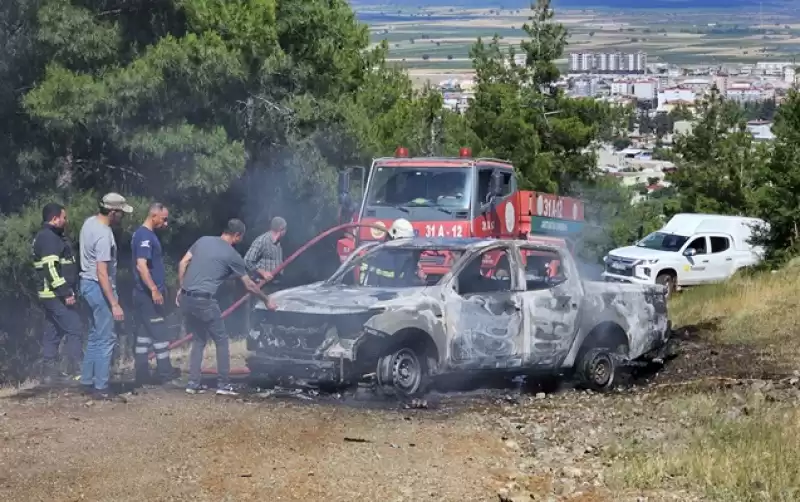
(506,306)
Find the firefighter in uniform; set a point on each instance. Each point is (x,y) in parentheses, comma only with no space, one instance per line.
(57,274)
(384,269)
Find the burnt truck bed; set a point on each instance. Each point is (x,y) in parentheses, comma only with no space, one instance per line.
(337,332)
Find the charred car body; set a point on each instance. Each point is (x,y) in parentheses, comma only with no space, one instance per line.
(518,318)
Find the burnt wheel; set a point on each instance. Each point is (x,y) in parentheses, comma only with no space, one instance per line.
(402,373)
(597,369)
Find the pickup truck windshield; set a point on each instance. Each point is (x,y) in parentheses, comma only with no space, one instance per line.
(392,268)
(447,188)
(663,241)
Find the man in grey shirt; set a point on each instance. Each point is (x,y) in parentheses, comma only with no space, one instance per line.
(207,264)
(98,278)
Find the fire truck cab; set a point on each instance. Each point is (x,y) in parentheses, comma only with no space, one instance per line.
(453,197)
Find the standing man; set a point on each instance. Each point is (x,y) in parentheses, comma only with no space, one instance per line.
(99,289)
(210,261)
(265,254)
(57,273)
(148,297)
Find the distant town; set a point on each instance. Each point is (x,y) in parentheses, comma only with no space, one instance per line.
(664,97)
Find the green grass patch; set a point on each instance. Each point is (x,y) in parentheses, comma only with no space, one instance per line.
(730,450)
(436,65)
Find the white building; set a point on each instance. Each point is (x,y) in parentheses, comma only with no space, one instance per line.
(675,95)
(587,61)
(630,62)
(697,85)
(761,130)
(645,90)
(744,92)
(575,61)
(641,62)
(772,67)
(789,75)
(615,61)
(602,61)
(621,88)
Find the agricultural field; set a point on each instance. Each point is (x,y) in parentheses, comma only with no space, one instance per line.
(437,40)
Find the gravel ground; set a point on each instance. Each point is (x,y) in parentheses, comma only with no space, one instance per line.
(484,445)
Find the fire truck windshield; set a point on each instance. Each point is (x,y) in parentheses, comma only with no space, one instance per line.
(446,189)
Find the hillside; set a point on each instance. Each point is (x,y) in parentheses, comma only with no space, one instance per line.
(719,422)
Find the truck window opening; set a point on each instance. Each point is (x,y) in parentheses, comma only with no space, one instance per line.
(663,241)
(409,187)
(484,180)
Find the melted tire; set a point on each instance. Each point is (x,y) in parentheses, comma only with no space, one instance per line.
(403,373)
(598,369)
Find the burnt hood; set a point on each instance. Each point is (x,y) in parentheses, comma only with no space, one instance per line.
(319,298)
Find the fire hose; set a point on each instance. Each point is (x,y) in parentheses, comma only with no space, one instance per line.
(261,283)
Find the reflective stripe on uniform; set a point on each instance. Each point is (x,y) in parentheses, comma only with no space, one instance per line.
(156,319)
(143,340)
(161,345)
(162,355)
(140,350)
(56,280)
(389,274)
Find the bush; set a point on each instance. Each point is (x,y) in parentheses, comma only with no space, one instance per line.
(20,317)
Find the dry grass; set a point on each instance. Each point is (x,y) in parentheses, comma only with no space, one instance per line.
(238,349)
(727,449)
(731,446)
(762,311)
(9,390)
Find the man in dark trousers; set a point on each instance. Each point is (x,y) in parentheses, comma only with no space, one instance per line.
(210,261)
(148,297)
(57,274)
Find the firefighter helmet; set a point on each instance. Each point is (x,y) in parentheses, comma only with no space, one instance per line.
(401,229)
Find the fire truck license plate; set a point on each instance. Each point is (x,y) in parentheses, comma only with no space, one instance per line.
(440,231)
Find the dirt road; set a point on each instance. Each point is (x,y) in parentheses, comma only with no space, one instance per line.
(165,445)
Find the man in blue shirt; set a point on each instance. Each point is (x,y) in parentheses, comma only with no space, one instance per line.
(148,297)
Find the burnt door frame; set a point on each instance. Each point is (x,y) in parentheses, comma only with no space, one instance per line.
(552,314)
(489,329)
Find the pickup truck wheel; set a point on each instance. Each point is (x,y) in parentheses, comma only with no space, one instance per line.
(402,373)
(667,280)
(597,369)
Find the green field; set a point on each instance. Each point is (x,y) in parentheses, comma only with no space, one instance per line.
(691,37)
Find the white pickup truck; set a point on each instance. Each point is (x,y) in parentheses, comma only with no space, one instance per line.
(691,249)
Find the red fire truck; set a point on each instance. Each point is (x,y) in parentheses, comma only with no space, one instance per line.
(454,197)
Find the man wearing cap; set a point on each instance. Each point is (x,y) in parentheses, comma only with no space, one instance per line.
(98,288)
(210,261)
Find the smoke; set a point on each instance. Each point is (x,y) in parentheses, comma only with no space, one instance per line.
(298,184)
(610,222)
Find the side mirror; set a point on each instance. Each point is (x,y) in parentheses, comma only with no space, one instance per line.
(689,252)
(344,182)
(496,183)
(346,206)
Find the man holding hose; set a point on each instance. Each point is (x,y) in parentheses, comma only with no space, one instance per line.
(210,261)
